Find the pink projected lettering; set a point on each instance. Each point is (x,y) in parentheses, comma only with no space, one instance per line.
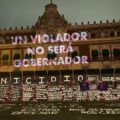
(55,50)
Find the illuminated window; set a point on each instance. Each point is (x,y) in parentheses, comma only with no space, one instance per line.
(16,56)
(51,55)
(105,53)
(116,52)
(5,59)
(94,54)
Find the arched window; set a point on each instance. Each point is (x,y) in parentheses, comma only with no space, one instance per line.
(98,34)
(16,56)
(105,53)
(73,55)
(112,34)
(94,54)
(5,59)
(116,52)
(93,34)
(28,56)
(118,32)
(2,40)
(105,34)
(51,55)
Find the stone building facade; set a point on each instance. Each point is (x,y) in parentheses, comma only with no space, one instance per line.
(102,48)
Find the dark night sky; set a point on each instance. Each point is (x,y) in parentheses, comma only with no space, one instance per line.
(25,12)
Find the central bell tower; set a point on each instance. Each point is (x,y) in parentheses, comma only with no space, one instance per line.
(51,22)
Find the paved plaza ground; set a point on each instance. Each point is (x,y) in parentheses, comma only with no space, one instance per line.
(61,111)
